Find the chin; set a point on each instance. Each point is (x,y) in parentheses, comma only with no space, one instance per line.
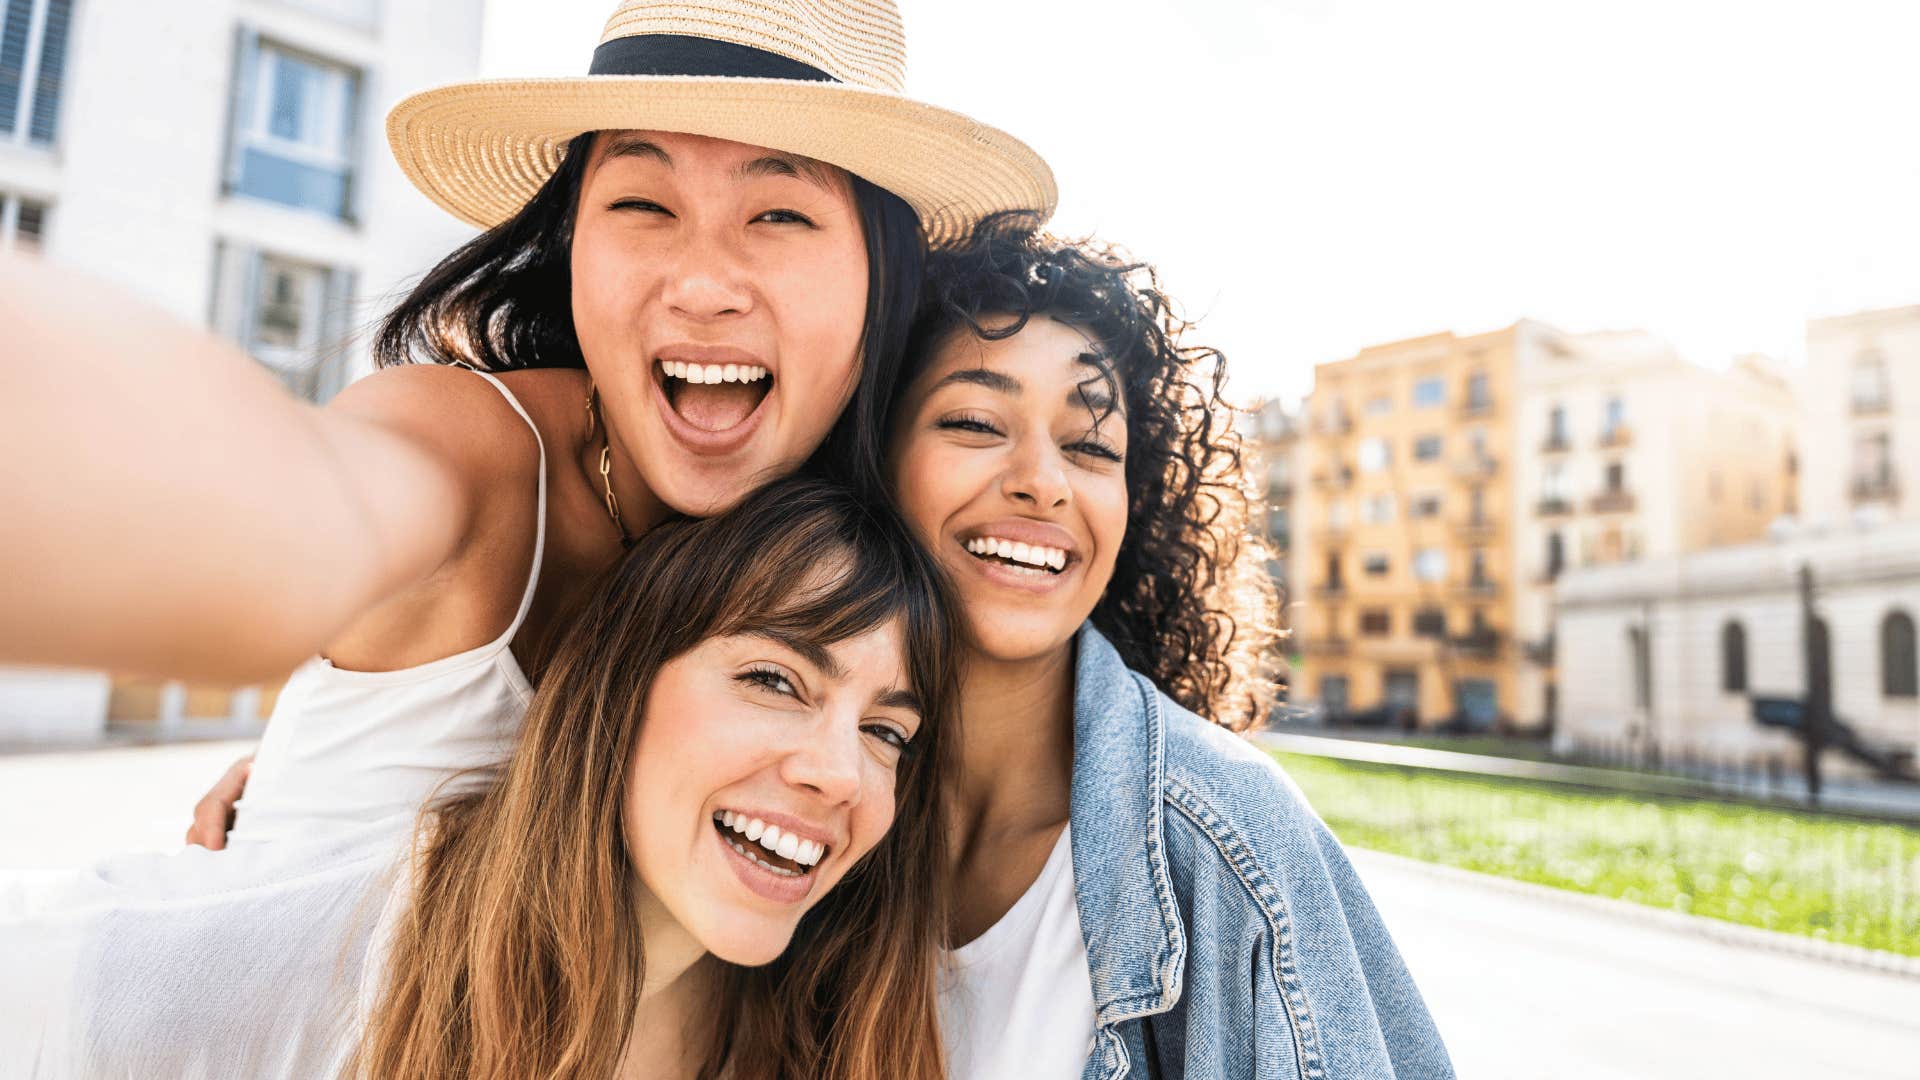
(750,947)
(1012,636)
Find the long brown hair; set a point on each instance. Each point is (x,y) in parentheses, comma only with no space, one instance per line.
(521,956)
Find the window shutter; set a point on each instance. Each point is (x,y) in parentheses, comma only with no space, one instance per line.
(14,25)
(234,266)
(53,66)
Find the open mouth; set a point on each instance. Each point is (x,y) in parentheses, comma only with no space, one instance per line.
(767,846)
(1036,560)
(713,397)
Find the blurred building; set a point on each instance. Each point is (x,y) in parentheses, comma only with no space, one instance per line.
(1626,452)
(1665,657)
(1860,393)
(1272,448)
(1403,550)
(1668,656)
(227,161)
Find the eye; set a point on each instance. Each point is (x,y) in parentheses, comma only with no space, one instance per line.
(770,679)
(969,422)
(890,735)
(645,206)
(785,217)
(1098,449)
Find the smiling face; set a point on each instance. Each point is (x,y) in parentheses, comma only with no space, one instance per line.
(763,771)
(1011,469)
(719,297)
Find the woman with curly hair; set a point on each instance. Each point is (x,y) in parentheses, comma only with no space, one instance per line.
(1136,891)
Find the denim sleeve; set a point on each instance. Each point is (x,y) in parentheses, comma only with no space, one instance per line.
(1413,1042)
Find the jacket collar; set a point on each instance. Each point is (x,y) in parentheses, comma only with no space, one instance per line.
(1136,945)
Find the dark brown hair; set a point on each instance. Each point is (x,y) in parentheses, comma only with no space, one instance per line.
(1190,604)
(504,301)
(521,956)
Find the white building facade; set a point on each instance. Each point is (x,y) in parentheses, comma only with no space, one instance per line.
(1669,653)
(226,160)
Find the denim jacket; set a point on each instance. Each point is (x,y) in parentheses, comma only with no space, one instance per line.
(1227,934)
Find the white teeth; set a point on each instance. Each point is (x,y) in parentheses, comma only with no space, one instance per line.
(785,844)
(699,374)
(756,828)
(771,838)
(1029,554)
(788,847)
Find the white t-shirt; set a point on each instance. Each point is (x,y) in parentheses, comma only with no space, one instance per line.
(1018,1000)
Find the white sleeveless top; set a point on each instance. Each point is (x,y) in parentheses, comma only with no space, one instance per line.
(260,961)
(346,748)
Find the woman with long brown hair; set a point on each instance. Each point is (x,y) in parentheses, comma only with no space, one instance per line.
(747,713)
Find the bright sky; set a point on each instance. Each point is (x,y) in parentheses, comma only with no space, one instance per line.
(1314,176)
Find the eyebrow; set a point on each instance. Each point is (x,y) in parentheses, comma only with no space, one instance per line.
(631,146)
(816,655)
(799,168)
(1003,383)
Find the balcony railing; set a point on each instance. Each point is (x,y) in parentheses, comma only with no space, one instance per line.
(1476,467)
(1325,646)
(1876,487)
(1556,443)
(1611,502)
(1476,528)
(1540,652)
(1338,479)
(1871,404)
(1617,436)
(1552,506)
(1330,590)
(1338,423)
(1480,642)
(1482,588)
(1476,406)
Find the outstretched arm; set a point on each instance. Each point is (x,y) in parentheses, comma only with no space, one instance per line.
(168,508)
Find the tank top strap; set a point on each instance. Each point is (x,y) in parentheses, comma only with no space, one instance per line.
(539,507)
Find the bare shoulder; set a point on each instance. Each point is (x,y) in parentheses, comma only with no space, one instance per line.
(462,420)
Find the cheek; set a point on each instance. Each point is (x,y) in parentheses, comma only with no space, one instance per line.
(822,305)
(604,283)
(874,816)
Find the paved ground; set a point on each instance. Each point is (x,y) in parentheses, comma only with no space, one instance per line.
(1524,988)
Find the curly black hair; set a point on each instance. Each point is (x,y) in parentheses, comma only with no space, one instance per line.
(1190,604)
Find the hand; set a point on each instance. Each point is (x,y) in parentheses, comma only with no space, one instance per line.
(213,814)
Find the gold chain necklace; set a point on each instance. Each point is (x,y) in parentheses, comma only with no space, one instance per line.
(606,461)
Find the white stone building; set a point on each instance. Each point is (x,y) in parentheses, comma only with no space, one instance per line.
(226,160)
(1669,653)
(1861,394)
(1625,452)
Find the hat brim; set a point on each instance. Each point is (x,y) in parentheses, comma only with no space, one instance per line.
(480,150)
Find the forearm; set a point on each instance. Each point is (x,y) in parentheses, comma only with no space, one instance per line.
(170,509)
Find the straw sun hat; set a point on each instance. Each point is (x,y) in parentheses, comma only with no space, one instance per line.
(819,78)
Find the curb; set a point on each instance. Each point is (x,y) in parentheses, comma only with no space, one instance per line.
(1726,933)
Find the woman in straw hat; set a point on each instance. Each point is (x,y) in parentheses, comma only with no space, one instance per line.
(697,270)
(715,852)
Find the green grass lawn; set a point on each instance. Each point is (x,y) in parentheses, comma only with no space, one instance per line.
(1844,881)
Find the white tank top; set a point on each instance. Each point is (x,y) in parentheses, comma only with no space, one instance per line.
(346,748)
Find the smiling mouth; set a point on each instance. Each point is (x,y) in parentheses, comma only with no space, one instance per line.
(1035,560)
(713,397)
(776,852)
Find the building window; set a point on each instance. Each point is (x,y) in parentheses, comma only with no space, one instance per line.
(1873,465)
(1378,509)
(1377,406)
(1376,622)
(1337,515)
(1426,448)
(23,223)
(1614,420)
(1898,661)
(1638,648)
(1402,694)
(1478,396)
(1333,570)
(33,63)
(1616,476)
(1375,564)
(1870,383)
(1429,393)
(1733,658)
(1557,427)
(293,128)
(1278,526)
(289,314)
(1430,564)
(1424,505)
(1430,622)
(1333,695)
(1374,455)
(1556,555)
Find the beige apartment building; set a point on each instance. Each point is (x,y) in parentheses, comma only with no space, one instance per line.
(1448,481)
(1403,556)
(1861,398)
(1626,453)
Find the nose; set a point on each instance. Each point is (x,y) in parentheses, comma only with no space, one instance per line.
(1035,475)
(826,761)
(706,280)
